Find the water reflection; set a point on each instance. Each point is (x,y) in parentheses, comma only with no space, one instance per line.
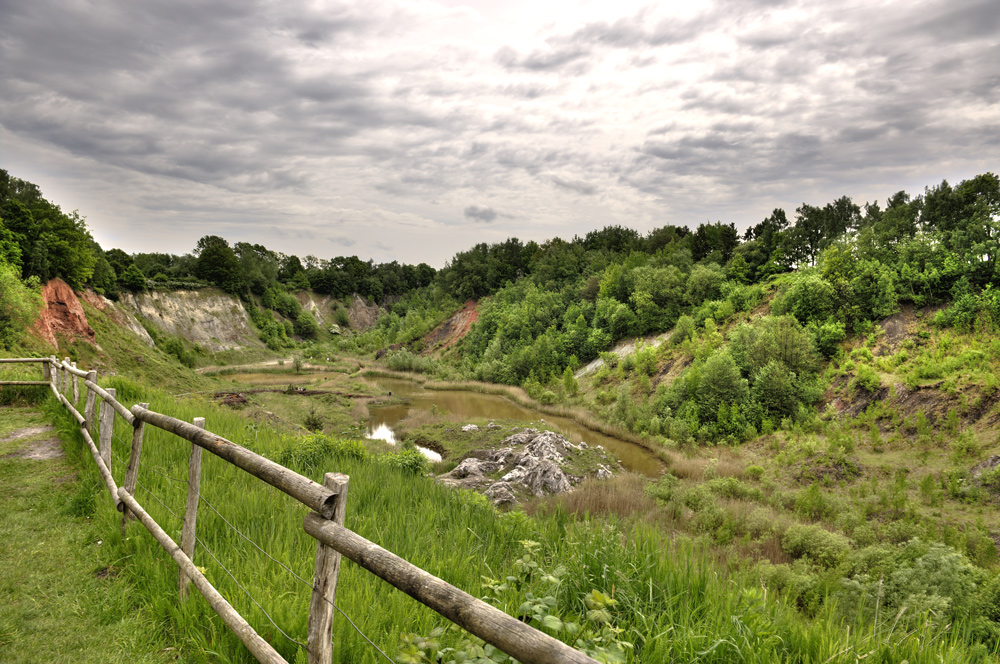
(384,432)
(475,405)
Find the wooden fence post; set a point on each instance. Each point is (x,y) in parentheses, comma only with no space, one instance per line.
(76,387)
(54,363)
(132,472)
(91,406)
(107,418)
(65,383)
(46,371)
(324,595)
(191,510)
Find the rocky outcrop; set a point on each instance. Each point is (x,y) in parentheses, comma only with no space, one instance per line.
(361,314)
(209,317)
(529,462)
(63,315)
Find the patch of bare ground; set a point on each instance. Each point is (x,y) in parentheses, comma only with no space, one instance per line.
(25,433)
(448,333)
(36,450)
(362,315)
(39,451)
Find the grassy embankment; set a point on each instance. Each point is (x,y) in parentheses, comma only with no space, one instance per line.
(670,600)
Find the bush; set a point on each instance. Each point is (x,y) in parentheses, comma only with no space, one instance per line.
(683,330)
(828,336)
(411,461)
(866,379)
(730,487)
(305,324)
(819,545)
(663,489)
(404,360)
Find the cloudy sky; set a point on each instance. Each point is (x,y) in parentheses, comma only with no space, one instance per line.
(411,130)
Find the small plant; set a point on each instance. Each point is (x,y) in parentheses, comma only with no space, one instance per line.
(593,633)
(314,421)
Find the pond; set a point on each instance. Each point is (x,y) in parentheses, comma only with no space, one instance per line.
(489,406)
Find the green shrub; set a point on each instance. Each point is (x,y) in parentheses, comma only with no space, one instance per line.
(819,545)
(866,379)
(663,489)
(730,487)
(404,360)
(411,461)
(812,503)
(19,304)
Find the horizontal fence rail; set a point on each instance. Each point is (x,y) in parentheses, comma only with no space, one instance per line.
(324,524)
(517,639)
(303,489)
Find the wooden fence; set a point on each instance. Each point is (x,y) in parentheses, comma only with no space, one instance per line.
(325,524)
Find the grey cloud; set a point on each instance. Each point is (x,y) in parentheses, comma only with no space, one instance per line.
(343,241)
(480,213)
(578,186)
(634,31)
(962,20)
(542,60)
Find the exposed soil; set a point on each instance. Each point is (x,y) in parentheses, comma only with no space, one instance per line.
(448,333)
(25,433)
(38,450)
(63,315)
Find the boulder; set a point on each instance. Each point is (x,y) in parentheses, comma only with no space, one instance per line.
(501,494)
(546,477)
(530,461)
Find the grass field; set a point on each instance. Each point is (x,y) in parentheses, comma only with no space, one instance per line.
(660,598)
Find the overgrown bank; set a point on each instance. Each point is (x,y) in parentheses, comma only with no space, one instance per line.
(611,585)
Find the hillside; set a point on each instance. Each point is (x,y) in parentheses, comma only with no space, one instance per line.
(822,393)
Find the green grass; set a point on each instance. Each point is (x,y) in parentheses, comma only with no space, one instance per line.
(58,605)
(672,602)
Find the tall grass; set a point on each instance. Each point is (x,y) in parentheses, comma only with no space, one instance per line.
(672,602)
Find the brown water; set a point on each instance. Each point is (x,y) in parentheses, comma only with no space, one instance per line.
(476,405)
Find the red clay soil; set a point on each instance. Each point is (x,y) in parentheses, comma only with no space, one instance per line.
(62,315)
(449,332)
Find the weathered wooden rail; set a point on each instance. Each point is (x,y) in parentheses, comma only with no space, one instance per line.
(326,524)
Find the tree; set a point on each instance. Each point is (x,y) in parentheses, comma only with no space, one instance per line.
(118,260)
(703,283)
(103,280)
(218,264)
(133,279)
(305,325)
(715,241)
(721,383)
